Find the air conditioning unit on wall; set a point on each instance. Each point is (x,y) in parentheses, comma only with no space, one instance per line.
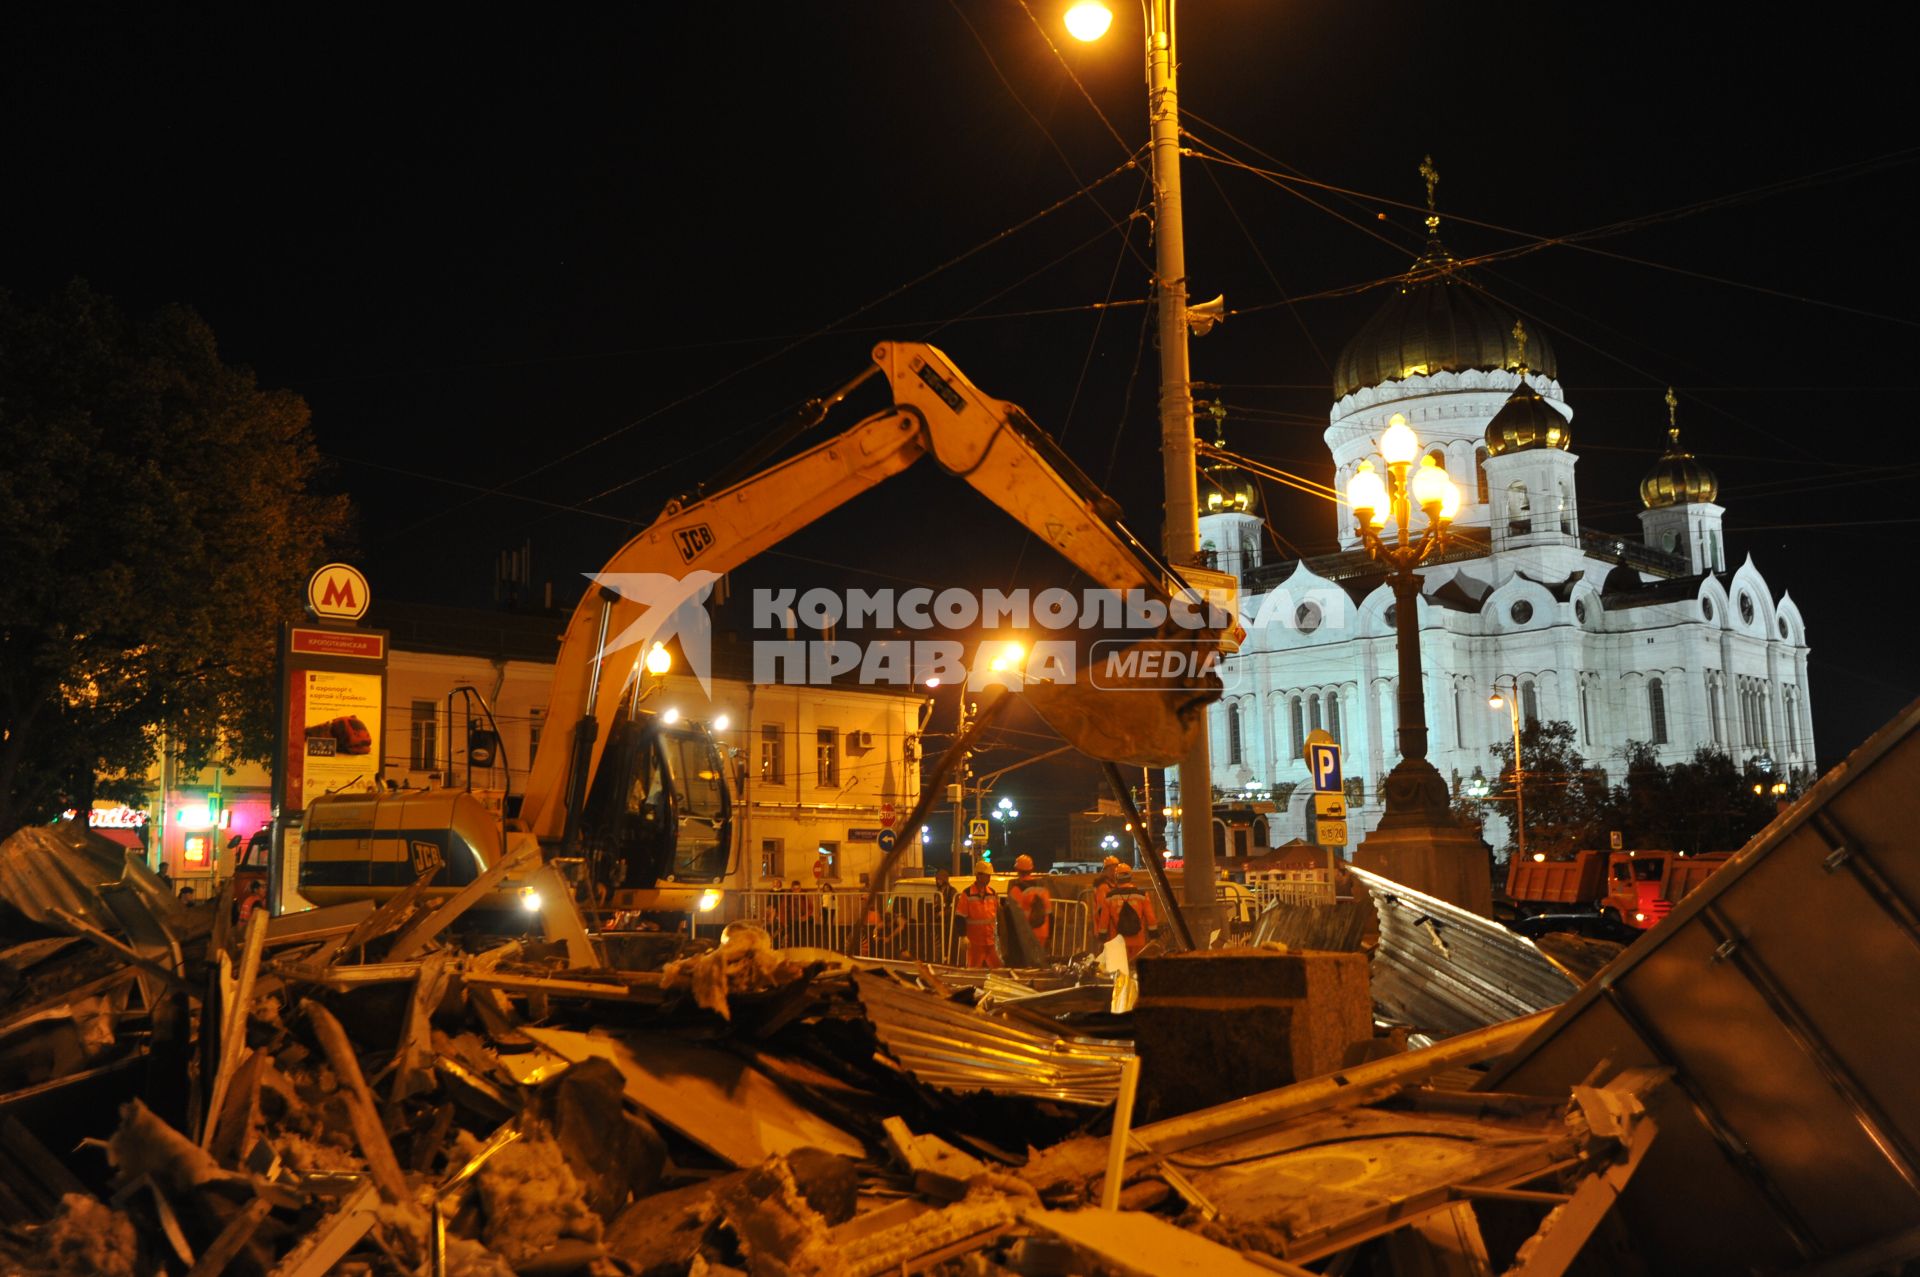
(859,740)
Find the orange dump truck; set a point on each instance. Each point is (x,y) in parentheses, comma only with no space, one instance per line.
(1634,889)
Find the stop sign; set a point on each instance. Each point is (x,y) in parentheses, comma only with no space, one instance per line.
(819,868)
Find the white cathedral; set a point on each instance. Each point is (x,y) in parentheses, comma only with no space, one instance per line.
(1655,639)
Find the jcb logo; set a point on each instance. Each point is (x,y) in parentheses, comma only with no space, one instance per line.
(426,856)
(693,541)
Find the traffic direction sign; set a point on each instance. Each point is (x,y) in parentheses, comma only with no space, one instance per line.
(977,830)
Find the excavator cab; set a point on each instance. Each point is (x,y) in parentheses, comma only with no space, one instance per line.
(661,805)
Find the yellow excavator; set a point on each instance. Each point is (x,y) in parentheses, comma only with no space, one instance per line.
(646,805)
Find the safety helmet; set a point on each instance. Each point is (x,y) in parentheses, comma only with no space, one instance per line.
(1110,862)
(1023,863)
(1123,872)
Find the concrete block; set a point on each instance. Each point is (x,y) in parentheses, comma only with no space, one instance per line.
(1215,1026)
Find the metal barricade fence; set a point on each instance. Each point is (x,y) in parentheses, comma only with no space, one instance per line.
(1295,886)
(1072,933)
(903,927)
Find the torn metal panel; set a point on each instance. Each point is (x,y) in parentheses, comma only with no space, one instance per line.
(1446,970)
(717,1100)
(44,868)
(953,1047)
(1772,990)
(317,924)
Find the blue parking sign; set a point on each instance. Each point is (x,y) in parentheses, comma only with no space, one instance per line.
(1324,762)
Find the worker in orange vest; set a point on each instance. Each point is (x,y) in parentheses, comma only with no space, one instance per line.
(1031,897)
(978,907)
(1127,912)
(1102,884)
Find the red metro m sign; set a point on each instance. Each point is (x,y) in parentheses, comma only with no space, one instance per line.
(337,592)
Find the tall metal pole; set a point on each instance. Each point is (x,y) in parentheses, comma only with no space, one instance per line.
(1180,540)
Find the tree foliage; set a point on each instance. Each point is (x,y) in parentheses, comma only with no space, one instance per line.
(1703,804)
(156,525)
(1567,803)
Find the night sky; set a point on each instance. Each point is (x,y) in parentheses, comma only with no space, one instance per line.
(538,274)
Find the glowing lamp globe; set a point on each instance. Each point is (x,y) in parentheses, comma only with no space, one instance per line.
(1088,20)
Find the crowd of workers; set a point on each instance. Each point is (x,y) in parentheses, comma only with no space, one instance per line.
(910,926)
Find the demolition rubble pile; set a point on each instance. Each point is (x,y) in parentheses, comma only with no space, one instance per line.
(354,1089)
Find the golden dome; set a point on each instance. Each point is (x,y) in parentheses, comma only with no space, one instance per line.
(1678,478)
(1436,321)
(1227,490)
(1526,420)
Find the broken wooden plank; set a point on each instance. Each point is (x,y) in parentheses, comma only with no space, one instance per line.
(232,1239)
(1136,1244)
(1078,1160)
(424,932)
(120,950)
(391,913)
(233,1022)
(332,1237)
(382,1165)
(717,1100)
(413,1070)
(317,924)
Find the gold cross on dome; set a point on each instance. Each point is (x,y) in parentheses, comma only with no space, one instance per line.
(1673,410)
(1432,176)
(1520,339)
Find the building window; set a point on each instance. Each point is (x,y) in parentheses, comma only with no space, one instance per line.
(773,753)
(1459,718)
(1233,734)
(1566,510)
(1479,473)
(1313,712)
(424,737)
(830,852)
(1529,703)
(1657,710)
(826,757)
(1333,716)
(773,858)
(1586,718)
(1299,727)
(1519,510)
(536,721)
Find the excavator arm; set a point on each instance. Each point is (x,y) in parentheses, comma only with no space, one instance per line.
(988,442)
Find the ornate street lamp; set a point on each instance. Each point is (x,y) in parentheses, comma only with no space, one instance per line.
(1415,790)
(1417,842)
(1512,704)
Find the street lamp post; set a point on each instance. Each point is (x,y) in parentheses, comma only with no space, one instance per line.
(1417,842)
(1512,703)
(1006,813)
(1180,536)
(1418,788)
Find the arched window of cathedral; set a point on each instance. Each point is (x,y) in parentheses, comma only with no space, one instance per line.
(1519,511)
(1459,717)
(1529,703)
(1479,473)
(1566,509)
(1439,456)
(1299,728)
(1333,716)
(1713,541)
(1233,733)
(1713,709)
(1313,711)
(1586,718)
(1657,710)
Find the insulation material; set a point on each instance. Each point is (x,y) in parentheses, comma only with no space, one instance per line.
(87,1239)
(530,1197)
(745,962)
(145,1145)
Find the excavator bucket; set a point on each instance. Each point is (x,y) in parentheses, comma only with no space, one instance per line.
(1129,718)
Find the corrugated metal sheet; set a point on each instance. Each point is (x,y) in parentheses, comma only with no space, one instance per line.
(953,1047)
(1445,970)
(1781,992)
